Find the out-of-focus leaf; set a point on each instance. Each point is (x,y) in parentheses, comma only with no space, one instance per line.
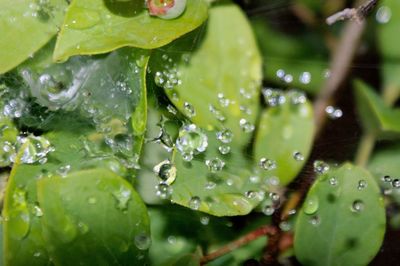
(388,17)
(93,217)
(342,221)
(187,260)
(385,162)
(285,135)
(100,26)
(25,27)
(376,117)
(220,70)
(298,59)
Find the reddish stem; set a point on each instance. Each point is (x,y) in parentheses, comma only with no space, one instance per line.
(266,230)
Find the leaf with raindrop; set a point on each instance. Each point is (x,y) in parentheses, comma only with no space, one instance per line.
(285,136)
(216,81)
(74,205)
(341,223)
(384,165)
(376,117)
(30,24)
(100,26)
(298,62)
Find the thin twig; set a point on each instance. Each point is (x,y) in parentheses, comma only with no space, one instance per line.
(266,230)
(357,14)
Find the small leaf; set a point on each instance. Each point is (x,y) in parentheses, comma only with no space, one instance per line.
(385,162)
(25,27)
(98,26)
(216,77)
(348,226)
(285,135)
(376,117)
(388,17)
(93,217)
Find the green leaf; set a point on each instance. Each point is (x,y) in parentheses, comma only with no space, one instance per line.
(93,217)
(385,162)
(389,13)
(25,27)
(342,221)
(226,192)
(98,26)
(376,117)
(187,260)
(285,135)
(222,62)
(303,58)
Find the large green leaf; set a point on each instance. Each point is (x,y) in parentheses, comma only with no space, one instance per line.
(375,115)
(93,217)
(25,27)
(342,221)
(220,69)
(285,135)
(100,26)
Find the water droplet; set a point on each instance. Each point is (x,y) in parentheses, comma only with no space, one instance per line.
(166,171)
(163,190)
(14,108)
(305,78)
(36,150)
(204,220)
(298,156)
(142,241)
(224,149)
(215,165)
(122,195)
(396,183)
(225,136)
(274,197)
(64,170)
(84,19)
(387,179)
(333,181)
(191,140)
(210,185)
(362,184)
(246,126)
(18,216)
(189,110)
(223,101)
(273,97)
(297,97)
(268,210)
(383,15)
(357,206)
(250,194)
(217,113)
(194,203)
(92,200)
(311,205)
(37,211)
(285,226)
(280,73)
(267,164)
(320,167)
(83,228)
(333,112)
(7,153)
(315,220)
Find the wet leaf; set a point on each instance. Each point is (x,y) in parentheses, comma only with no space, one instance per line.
(97,26)
(218,74)
(302,61)
(348,225)
(285,135)
(97,211)
(385,162)
(26,26)
(376,117)
(226,192)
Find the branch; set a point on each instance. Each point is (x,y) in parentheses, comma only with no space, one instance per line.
(357,14)
(265,230)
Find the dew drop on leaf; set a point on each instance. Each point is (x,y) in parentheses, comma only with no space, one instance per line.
(320,167)
(267,164)
(215,164)
(142,241)
(311,205)
(194,203)
(357,206)
(163,190)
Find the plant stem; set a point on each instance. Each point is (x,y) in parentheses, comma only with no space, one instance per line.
(266,230)
(365,149)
